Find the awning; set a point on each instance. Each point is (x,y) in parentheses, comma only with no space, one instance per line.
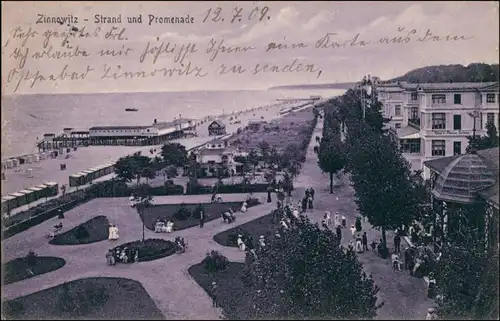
(408,133)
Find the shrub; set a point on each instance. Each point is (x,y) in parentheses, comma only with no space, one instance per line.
(31,258)
(150,249)
(183,213)
(214,261)
(358,224)
(252,202)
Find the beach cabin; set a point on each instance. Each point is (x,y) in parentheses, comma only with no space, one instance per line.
(8,203)
(216,128)
(29,195)
(19,199)
(76,180)
(90,175)
(37,192)
(254,125)
(98,172)
(9,163)
(44,190)
(52,189)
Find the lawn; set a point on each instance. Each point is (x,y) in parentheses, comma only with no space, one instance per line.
(279,133)
(90,298)
(260,226)
(166,212)
(94,230)
(231,295)
(18,269)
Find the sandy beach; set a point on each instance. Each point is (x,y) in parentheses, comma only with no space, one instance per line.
(92,156)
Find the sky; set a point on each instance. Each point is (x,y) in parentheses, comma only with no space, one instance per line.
(283,22)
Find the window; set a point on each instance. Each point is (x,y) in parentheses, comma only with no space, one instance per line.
(414,113)
(414,96)
(398,125)
(457,99)
(438,147)
(397,110)
(490,98)
(457,148)
(439,99)
(410,146)
(457,122)
(490,118)
(438,121)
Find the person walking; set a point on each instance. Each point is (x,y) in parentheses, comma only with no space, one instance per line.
(353,231)
(311,192)
(364,239)
(339,233)
(328,218)
(344,221)
(202,219)
(324,221)
(213,292)
(397,243)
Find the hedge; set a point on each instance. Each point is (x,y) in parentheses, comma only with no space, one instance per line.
(227,189)
(36,215)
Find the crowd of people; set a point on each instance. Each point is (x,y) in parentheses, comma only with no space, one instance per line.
(124,255)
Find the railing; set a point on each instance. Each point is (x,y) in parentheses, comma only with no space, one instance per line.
(414,122)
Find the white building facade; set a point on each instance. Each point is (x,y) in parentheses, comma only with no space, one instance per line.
(434,120)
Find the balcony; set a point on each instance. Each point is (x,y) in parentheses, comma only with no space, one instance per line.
(414,122)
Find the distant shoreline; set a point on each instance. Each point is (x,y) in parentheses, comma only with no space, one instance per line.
(343,85)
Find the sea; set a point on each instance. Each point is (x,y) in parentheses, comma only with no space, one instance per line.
(25,118)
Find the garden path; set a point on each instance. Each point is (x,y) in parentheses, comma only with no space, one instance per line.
(166,280)
(404,295)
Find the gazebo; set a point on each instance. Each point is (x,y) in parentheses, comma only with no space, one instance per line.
(467,181)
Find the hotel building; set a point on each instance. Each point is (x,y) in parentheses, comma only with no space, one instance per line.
(433,120)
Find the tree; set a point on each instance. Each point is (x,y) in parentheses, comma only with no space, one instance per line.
(468,280)
(174,154)
(306,274)
(382,179)
(331,158)
(253,158)
(491,139)
(130,167)
(142,200)
(171,171)
(126,169)
(148,173)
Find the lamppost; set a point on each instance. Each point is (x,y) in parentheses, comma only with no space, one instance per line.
(475,114)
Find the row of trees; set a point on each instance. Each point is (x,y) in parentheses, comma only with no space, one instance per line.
(390,195)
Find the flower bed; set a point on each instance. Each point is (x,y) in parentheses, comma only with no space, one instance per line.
(24,268)
(87,299)
(94,230)
(149,249)
(186,215)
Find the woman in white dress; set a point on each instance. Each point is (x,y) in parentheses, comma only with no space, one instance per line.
(241,244)
(114,233)
(244,207)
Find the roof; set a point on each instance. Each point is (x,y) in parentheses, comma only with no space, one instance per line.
(217,122)
(214,151)
(49,134)
(68,128)
(489,157)
(462,179)
(407,132)
(117,127)
(452,86)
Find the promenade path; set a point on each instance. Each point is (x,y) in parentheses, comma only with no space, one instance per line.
(404,295)
(166,280)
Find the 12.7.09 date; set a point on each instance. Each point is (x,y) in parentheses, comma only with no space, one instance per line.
(236,15)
